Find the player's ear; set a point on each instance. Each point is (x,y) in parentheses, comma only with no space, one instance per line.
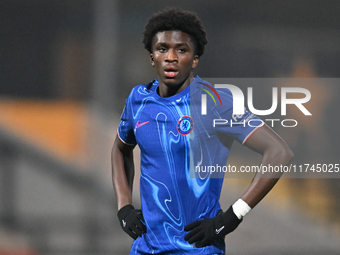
(151,60)
(195,61)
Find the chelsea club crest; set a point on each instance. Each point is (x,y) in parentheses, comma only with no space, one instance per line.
(185,125)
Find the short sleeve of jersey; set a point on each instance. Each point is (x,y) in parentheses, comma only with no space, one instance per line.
(237,126)
(126,125)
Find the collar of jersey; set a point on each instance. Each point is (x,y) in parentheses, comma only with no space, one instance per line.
(177,96)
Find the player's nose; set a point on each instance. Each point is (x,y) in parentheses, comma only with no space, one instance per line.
(171,55)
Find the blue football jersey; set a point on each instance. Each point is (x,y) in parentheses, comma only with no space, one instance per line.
(175,138)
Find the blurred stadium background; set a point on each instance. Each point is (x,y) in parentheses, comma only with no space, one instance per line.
(66,68)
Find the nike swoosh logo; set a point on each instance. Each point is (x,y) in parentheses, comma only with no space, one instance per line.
(138,125)
(124,223)
(217,231)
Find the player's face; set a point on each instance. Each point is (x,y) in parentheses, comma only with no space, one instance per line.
(174,59)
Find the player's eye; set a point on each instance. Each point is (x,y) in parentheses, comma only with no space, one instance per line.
(162,49)
(182,50)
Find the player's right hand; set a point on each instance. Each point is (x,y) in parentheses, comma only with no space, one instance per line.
(132,221)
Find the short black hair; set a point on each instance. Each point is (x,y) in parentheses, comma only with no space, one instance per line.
(176,19)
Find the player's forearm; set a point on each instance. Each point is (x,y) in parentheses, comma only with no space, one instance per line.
(122,174)
(263,183)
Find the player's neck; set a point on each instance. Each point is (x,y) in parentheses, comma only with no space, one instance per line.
(168,91)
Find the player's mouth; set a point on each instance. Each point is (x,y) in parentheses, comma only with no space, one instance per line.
(170,71)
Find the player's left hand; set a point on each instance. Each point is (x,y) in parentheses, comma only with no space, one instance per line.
(204,232)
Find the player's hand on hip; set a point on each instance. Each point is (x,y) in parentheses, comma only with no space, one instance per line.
(132,221)
(205,232)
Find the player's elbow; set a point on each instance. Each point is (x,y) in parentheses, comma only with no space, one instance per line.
(284,154)
(289,155)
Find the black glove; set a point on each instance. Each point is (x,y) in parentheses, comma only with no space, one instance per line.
(132,221)
(205,232)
